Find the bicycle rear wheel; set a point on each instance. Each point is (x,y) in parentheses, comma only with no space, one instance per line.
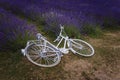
(42,55)
(81,47)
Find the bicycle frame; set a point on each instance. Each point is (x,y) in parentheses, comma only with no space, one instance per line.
(64,49)
(66,46)
(47,52)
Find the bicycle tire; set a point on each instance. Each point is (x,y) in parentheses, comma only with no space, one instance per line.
(48,58)
(81,47)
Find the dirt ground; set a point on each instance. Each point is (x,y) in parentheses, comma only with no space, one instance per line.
(104,65)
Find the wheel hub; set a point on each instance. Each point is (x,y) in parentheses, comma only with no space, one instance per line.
(42,54)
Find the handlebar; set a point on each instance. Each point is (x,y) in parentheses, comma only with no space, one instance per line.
(39,36)
(62,34)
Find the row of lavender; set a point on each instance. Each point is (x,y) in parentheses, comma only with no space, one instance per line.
(53,13)
(30,8)
(14,32)
(78,14)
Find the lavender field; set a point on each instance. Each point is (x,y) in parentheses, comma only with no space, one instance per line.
(96,21)
(50,13)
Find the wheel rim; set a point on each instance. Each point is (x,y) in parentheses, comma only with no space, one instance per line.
(42,56)
(81,47)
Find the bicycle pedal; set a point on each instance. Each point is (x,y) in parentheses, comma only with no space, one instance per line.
(65,51)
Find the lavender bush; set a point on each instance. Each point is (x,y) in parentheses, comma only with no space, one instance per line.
(76,13)
(33,9)
(100,9)
(14,32)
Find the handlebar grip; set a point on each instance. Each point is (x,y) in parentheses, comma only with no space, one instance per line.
(38,35)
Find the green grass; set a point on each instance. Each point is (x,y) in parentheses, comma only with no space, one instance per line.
(14,66)
(19,42)
(111,24)
(92,31)
(72,32)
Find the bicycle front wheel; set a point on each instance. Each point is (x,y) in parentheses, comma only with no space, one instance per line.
(42,55)
(81,47)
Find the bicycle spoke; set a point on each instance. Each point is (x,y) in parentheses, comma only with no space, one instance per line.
(34,56)
(38,59)
(42,55)
(50,60)
(47,61)
(81,47)
(34,52)
(34,48)
(50,55)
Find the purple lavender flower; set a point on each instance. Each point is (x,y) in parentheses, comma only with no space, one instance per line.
(68,12)
(1,35)
(102,7)
(16,31)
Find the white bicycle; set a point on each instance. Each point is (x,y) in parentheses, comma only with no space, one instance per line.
(43,53)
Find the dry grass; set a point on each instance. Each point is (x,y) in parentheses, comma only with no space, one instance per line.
(104,65)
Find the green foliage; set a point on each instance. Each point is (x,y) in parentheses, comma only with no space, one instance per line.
(19,42)
(111,23)
(92,31)
(72,32)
